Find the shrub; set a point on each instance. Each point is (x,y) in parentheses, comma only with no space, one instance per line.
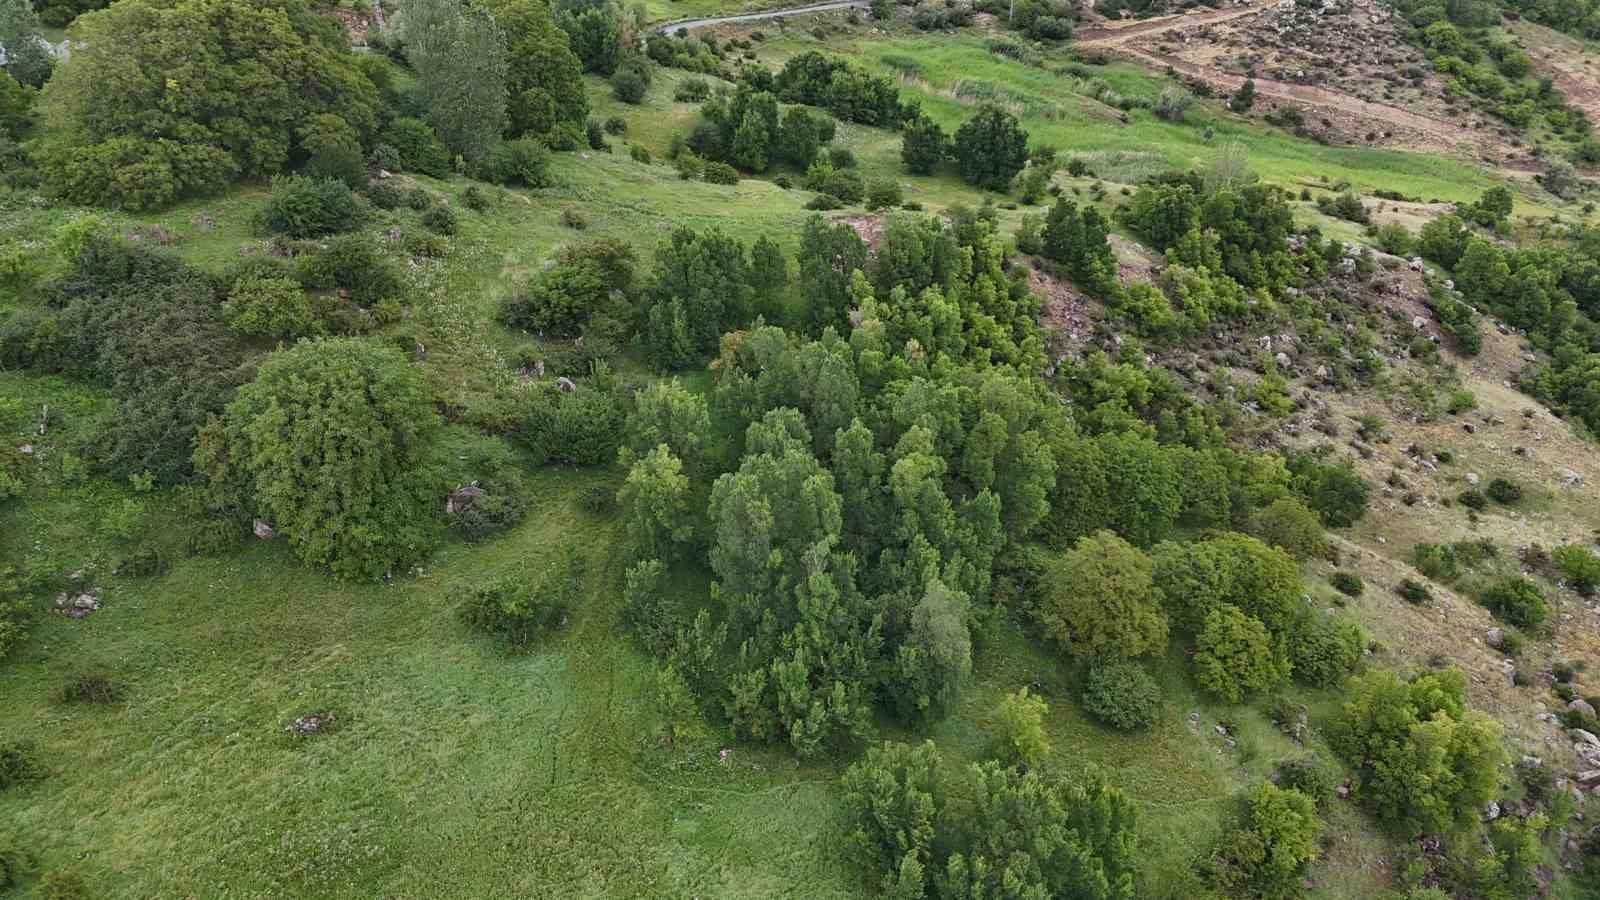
(883,193)
(303,207)
(1578,566)
(269,308)
(352,263)
(596,136)
(333,439)
(1517,600)
(1413,591)
(1310,776)
(1022,739)
(823,202)
(383,194)
(692,90)
(1323,650)
(574,219)
(474,199)
(561,299)
(1472,499)
(1334,490)
(419,149)
(991,148)
(580,428)
(518,612)
(90,687)
(1348,583)
(524,161)
(616,125)
(628,85)
(142,562)
(440,219)
(1347,206)
(1504,490)
(18,764)
(640,154)
(721,173)
(1173,103)
(1121,694)
(502,499)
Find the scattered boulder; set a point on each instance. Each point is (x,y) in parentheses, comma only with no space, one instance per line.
(462,498)
(1494,637)
(78,604)
(1571,478)
(566,384)
(309,724)
(1472,478)
(263,529)
(1582,707)
(1584,737)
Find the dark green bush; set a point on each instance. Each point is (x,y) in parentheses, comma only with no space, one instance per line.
(419,148)
(1323,650)
(352,263)
(1310,776)
(1121,694)
(523,162)
(628,85)
(1504,490)
(302,207)
(823,202)
(90,687)
(1348,583)
(1472,499)
(440,219)
(18,764)
(1413,591)
(1517,600)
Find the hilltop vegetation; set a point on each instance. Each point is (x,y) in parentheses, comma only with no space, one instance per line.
(882,452)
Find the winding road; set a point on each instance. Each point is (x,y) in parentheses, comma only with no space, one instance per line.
(669,27)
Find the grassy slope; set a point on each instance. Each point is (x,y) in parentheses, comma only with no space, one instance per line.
(458,772)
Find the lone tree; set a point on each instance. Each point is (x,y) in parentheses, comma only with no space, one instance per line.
(923,144)
(991,148)
(333,440)
(1244,98)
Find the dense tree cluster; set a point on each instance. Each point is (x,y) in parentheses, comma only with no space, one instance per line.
(990,832)
(167,98)
(1424,762)
(748,130)
(1551,290)
(816,79)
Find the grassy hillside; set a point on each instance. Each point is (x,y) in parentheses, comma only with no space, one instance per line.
(450,768)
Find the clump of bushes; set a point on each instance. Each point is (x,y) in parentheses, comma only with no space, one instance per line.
(352,263)
(1266,847)
(1516,600)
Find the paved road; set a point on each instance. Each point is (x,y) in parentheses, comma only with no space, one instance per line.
(669,27)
